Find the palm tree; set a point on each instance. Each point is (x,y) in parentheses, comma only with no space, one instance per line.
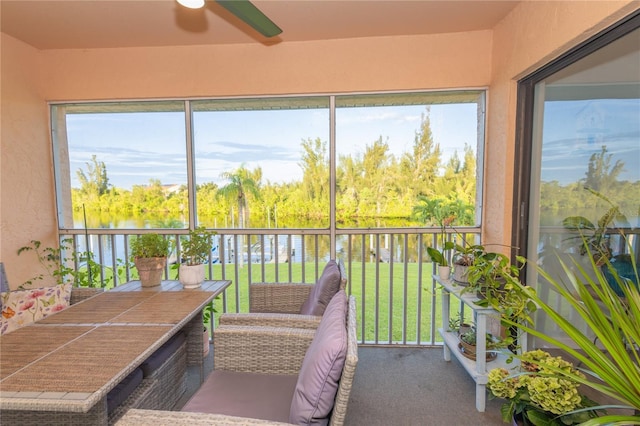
(242,182)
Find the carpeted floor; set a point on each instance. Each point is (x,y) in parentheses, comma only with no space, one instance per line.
(414,386)
(405,387)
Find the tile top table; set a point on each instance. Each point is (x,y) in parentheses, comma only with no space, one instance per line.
(70,360)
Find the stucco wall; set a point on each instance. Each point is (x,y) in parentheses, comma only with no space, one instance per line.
(27,210)
(532,34)
(381,63)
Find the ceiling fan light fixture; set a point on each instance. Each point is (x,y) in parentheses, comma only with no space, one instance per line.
(192,4)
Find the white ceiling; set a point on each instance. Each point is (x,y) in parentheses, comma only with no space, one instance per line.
(86,24)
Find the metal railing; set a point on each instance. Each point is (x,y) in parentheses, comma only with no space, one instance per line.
(388,270)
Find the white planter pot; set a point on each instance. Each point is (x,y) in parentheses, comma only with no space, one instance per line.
(191,276)
(444,272)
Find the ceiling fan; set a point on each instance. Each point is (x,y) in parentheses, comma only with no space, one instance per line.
(244,10)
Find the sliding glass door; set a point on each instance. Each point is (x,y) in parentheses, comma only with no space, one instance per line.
(584,162)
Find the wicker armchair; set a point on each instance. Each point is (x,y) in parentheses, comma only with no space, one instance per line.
(266,350)
(279,305)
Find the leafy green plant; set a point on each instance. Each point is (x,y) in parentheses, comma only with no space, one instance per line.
(464,255)
(440,256)
(496,282)
(60,264)
(150,245)
(196,249)
(535,393)
(593,237)
(492,342)
(611,362)
(457,325)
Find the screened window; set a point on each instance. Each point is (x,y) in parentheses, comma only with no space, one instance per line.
(273,162)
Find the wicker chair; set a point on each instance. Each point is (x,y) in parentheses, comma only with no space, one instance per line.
(78,294)
(243,349)
(279,305)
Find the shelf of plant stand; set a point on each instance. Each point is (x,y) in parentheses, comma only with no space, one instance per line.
(451,340)
(481,313)
(458,290)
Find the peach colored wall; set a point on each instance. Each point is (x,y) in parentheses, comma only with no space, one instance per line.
(533,34)
(380,63)
(27,210)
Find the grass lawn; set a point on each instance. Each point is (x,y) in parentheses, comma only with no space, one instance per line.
(387,303)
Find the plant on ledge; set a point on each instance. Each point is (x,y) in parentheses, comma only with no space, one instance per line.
(440,257)
(197,248)
(195,251)
(537,395)
(495,280)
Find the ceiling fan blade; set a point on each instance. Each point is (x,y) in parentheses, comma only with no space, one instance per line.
(250,14)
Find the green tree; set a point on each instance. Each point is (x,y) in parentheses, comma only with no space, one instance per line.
(241,184)
(601,176)
(95,182)
(375,162)
(348,179)
(420,167)
(315,168)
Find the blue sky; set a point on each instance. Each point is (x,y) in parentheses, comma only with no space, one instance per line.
(139,146)
(574,130)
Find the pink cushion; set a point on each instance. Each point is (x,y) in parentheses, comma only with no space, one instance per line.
(315,392)
(257,396)
(322,292)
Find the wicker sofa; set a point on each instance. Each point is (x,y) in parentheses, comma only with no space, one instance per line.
(78,294)
(265,351)
(279,305)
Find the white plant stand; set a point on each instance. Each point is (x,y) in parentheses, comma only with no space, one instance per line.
(477,369)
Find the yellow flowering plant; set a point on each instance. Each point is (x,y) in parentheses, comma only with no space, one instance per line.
(537,394)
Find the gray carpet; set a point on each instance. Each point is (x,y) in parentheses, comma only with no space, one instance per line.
(404,387)
(414,386)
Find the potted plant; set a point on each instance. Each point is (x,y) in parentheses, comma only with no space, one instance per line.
(462,259)
(609,363)
(536,395)
(594,238)
(149,253)
(495,281)
(468,345)
(440,256)
(456,325)
(196,250)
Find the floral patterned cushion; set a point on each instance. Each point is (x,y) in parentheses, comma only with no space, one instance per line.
(22,307)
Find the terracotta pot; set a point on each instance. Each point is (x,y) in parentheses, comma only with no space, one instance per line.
(150,270)
(468,349)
